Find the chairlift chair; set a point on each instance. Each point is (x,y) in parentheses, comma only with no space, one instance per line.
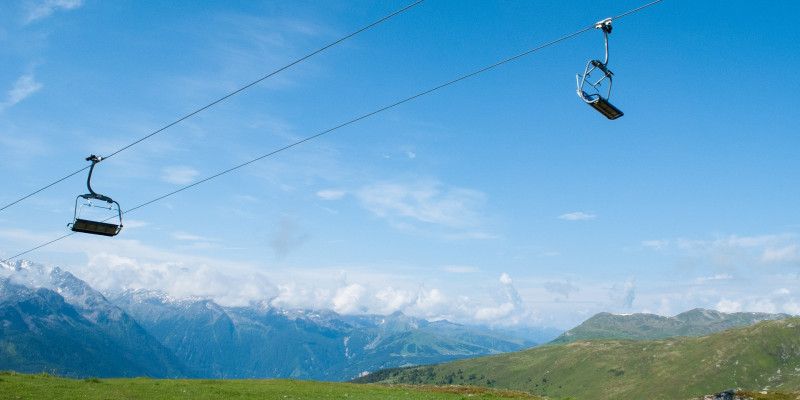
(596,99)
(109,222)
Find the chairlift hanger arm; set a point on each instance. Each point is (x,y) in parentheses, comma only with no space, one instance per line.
(605,26)
(92,195)
(94,159)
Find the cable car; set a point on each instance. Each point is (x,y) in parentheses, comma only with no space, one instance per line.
(94,213)
(595,98)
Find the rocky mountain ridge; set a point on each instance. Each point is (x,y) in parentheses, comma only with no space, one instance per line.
(59,324)
(259,341)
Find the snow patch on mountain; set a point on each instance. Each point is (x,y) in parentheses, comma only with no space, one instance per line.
(74,291)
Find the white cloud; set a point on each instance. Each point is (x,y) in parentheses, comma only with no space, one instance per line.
(430,303)
(577,216)
(426,201)
(509,307)
(509,292)
(765,304)
(791,307)
(42,9)
(469,235)
(24,87)
(329,194)
(125,263)
(460,269)
(787,254)
(187,236)
(728,306)
(179,174)
(491,314)
(561,288)
(134,223)
(625,294)
(780,300)
(26,236)
(735,241)
(744,251)
(231,286)
(722,292)
(349,299)
(391,299)
(710,279)
(294,295)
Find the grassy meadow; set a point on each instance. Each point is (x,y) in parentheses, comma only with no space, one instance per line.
(761,357)
(45,386)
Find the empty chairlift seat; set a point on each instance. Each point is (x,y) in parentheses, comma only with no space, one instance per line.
(595,99)
(95,227)
(87,218)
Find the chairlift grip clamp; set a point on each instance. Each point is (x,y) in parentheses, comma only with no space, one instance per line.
(605,25)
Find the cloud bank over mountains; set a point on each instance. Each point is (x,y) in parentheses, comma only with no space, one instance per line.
(236,285)
(504,301)
(730,274)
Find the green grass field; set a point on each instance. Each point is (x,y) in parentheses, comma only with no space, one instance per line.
(45,386)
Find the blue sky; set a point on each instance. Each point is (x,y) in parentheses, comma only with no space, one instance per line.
(501,199)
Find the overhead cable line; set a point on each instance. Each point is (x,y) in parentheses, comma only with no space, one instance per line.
(350,122)
(38,247)
(221,99)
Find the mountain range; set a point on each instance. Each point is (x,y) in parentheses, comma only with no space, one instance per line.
(55,322)
(51,321)
(68,328)
(260,341)
(697,322)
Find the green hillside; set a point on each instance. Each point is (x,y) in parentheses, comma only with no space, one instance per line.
(43,386)
(697,322)
(758,357)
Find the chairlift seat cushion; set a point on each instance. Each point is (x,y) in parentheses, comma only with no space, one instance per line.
(95,227)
